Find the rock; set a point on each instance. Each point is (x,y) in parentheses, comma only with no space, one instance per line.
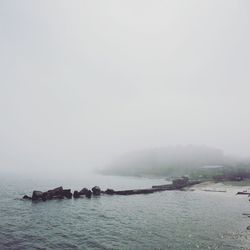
(89,194)
(67,193)
(110,191)
(83,191)
(55,191)
(26,197)
(76,194)
(58,197)
(37,195)
(49,196)
(45,196)
(96,190)
(248,228)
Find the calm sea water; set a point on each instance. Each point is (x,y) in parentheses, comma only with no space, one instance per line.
(166,220)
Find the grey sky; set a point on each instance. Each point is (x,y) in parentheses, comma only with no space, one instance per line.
(84,81)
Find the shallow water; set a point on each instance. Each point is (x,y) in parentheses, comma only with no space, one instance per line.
(166,220)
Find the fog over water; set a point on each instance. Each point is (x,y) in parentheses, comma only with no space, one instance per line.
(83,82)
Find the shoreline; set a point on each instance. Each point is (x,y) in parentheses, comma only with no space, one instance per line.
(221,187)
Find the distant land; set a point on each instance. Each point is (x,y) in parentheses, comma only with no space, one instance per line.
(201,162)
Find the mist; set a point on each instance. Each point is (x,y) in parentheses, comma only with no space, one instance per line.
(84,82)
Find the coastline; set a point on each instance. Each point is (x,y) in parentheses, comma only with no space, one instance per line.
(221,187)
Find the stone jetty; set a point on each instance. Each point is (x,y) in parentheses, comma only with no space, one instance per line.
(60,193)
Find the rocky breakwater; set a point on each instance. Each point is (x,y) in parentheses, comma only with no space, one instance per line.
(96,191)
(178,184)
(56,193)
(60,193)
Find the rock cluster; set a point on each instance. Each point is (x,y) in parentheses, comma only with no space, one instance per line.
(56,193)
(60,193)
(83,192)
(87,192)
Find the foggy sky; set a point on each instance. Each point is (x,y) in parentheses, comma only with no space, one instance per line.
(82,82)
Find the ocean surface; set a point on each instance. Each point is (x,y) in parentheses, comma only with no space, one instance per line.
(166,220)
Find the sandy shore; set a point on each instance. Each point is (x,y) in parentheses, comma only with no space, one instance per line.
(227,187)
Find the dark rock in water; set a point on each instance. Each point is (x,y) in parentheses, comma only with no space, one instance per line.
(45,196)
(37,195)
(83,191)
(110,191)
(55,191)
(76,194)
(59,193)
(26,197)
(89,194)
(67,193)
(248,228)
(96,190)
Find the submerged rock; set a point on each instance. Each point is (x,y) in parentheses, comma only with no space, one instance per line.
(248,228)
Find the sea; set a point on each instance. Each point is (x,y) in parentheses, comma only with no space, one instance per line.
(164,220)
